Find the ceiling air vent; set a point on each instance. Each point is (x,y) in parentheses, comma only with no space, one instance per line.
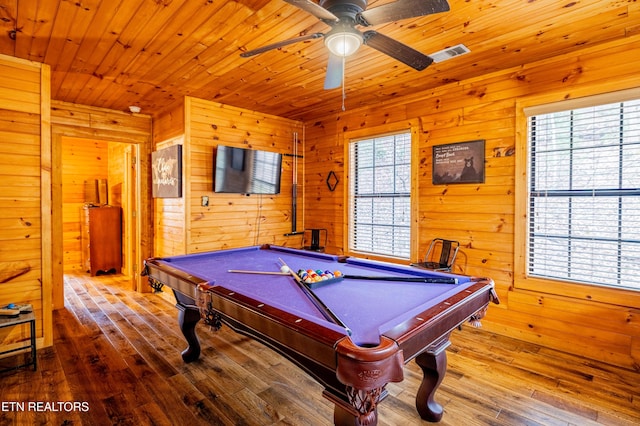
(449,53)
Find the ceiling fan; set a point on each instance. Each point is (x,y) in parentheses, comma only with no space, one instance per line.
(344,39)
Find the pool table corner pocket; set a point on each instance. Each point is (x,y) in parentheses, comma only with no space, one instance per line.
(365,371)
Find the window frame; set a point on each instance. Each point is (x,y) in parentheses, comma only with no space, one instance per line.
(526,108)
(349,137)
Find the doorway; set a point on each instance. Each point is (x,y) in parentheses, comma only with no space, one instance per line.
(114,167)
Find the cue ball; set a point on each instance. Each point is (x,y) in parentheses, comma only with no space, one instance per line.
(285,269)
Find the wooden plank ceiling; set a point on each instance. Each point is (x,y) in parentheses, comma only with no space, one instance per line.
(150,53)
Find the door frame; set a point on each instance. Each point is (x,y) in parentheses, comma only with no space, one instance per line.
(79,121)
(131,202)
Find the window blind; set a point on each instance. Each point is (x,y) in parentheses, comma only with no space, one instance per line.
(265,173)
(584,195)
(380,195)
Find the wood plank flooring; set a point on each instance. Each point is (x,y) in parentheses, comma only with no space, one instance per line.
(116,355)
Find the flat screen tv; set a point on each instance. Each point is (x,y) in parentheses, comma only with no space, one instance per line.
(246,171)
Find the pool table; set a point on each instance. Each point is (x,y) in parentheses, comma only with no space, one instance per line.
(382,315)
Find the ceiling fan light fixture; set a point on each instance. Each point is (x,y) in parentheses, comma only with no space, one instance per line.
(343,43)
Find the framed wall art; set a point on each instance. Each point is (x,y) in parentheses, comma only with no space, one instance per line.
(166,172)
(461,162)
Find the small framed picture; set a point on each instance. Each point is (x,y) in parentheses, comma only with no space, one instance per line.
(461,162)
(166,167)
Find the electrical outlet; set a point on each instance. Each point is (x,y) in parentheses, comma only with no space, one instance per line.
(205,201)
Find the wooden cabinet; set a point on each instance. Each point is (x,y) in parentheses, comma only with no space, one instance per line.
(102,239)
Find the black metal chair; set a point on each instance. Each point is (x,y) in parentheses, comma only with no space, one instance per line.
(448,252)
(315,239)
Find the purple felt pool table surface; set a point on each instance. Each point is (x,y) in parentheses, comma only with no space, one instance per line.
(368,307)
(352,335)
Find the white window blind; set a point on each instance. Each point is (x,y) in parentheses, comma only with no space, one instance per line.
(265,172)
(380,195)
(584,195)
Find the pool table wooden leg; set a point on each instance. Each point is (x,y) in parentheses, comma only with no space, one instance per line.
(342,417)
(188,317)
(345,414)
(433,363)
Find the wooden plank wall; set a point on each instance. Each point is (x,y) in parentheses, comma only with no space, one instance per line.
(481,216)
(83,159)
(230,220)
(183,225)
(169,125)
(169,224)
(25,173)
(116,172)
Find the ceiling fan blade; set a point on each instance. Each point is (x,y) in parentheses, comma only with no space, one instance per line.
(335,70)
(280,44)
(397,50)
(401,9)
(314,9)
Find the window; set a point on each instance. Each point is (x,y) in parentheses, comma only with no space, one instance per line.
(380,195)
(584,195)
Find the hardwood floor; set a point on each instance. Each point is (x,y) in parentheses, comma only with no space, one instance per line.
(116,355)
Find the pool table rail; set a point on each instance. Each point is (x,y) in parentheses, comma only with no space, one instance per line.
(441,319)
(161,274)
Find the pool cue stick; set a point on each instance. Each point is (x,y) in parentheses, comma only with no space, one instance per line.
(241,271)
(294,186)
(405,279)
(328,313)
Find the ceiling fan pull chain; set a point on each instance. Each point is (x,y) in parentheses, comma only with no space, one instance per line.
(343,90)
